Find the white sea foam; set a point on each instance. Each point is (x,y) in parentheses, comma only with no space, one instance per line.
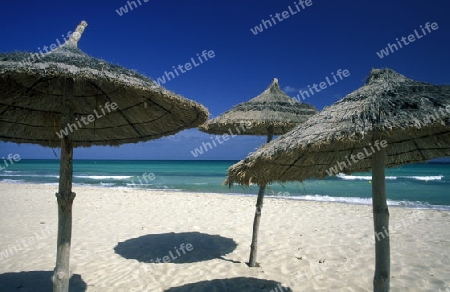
(360,177)
(32,175)
(368,177)
(364,201)
(117,177)
(14,181)
(106,184)
(426,178)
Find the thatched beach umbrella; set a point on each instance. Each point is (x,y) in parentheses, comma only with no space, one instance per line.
(391,120)
(68,99)
(270,113)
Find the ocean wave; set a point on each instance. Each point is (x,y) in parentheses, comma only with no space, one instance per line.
(150,186)
(107,184)
(321,198)
(139,184)
(13,181)
(31,175)
(426,178)
(365,201)
(369,177)
(154,188)
(360,177)
(116,177)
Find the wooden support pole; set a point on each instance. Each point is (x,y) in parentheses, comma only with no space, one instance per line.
(257,219)
(65,197)
(381,278)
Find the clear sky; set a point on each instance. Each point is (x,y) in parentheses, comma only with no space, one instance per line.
(304,45)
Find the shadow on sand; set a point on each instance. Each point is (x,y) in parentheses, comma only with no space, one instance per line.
(36,281)
(174,246)
(232,284)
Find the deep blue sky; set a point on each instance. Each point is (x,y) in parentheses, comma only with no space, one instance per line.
(301,50)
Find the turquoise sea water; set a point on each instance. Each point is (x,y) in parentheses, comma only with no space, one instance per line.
(424,185)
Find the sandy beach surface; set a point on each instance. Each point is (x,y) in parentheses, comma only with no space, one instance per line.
(202,242)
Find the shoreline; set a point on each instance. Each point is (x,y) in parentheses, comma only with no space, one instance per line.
(332,199)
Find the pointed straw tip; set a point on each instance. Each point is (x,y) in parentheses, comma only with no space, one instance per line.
(76,35)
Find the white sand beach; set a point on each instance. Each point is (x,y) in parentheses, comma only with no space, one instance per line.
(202,242)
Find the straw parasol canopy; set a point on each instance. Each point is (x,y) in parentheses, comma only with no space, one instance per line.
(391,120)
(270,113)
(31,104)
(68,99)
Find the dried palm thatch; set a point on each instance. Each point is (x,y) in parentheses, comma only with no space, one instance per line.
(68,90)
(31,101)
(412,117)
(270,112)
